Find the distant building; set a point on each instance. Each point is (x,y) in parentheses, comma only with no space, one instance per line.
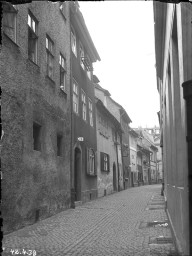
(83,54)
(133,137)
(108,134)
(173,40)
(35,82)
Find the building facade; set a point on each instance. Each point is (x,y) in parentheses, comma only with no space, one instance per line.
(83,54)
(108,134)
(133,136)
(35,82)
(114,109)
(173,37)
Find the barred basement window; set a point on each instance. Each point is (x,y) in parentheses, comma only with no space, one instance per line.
(49,56)
(10,21)
(59,144)
(32,38)
(36,137)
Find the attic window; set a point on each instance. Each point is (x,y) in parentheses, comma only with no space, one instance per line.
(87,63)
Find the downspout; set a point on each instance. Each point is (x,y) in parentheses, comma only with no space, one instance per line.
(72,132)
(187,95)
(117,159)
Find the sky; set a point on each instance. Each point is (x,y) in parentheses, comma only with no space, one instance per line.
(123,34)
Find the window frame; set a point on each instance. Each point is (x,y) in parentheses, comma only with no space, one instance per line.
(81,55)
(104,162)
(73,39)
(75,96)
(49,56)
(34,36)
(63,72)
(90,103)
(91,162)
(89,72)
(84,105)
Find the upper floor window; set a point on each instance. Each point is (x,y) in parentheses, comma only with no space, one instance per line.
(73,42)
(84,105)
(10,21)
(32,38)
(62,63)
(90,112)
(81,55)
(75,97)
(89,69)
(49,56)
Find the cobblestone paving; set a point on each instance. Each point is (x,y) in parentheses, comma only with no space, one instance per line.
(112,225)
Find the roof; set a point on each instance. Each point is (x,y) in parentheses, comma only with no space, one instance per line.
(106,92)
(78,21)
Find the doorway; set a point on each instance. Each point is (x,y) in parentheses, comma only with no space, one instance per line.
(114,178)
(77,174)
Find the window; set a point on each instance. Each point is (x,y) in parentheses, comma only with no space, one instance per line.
(104,158)
(91,162)
(62,63)
(84,105)
(75,97)
(89,68)
(36,137)
(59,144)
(81,54)
(62,7)
(10,21)
(90,112)
(32,38)
(73,42)
(49,56)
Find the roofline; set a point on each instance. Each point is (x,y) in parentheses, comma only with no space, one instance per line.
(80,23)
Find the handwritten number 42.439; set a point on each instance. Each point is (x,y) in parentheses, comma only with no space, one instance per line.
(24,252)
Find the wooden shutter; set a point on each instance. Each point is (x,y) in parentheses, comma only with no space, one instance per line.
(87,162)
(108,160)
(102,161)
(95,164)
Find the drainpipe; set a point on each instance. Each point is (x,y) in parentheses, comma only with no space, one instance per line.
(72,131)
(187,95)
(117,159)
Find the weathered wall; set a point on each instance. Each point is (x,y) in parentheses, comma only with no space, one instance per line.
(106,145)
(82,128)
(176,66)
(36,184)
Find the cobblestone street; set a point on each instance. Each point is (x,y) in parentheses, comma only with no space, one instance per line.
(117,224)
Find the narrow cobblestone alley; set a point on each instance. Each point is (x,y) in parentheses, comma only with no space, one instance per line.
(118,224)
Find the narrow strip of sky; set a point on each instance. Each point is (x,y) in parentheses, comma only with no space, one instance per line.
(123,33)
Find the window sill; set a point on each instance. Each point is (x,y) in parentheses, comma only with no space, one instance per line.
(63,92)
(64,17)
(34,63)
(50,79)
(11,40)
